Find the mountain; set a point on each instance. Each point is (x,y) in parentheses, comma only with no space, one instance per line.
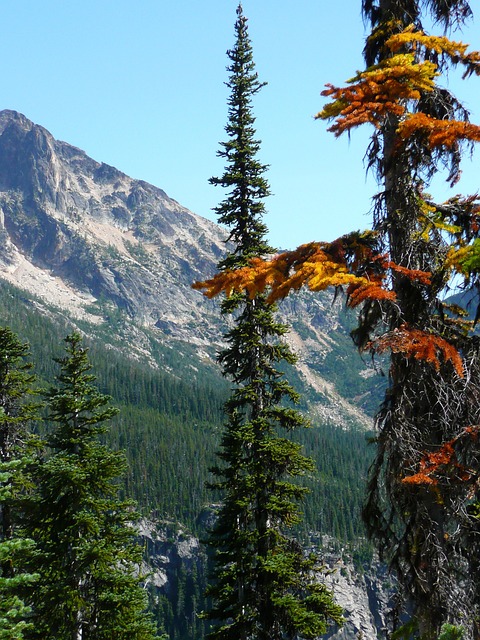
(84,246)
(90,243)
(76,231)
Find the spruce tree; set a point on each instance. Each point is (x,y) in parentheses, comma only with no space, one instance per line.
(263,587)
(86,557)
(17,410)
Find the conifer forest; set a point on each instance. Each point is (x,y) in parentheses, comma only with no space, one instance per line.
(94,444)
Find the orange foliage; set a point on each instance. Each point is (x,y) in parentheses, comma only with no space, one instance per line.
(358,293)
(445,133)
(444,459)
(377,92)
(423,277)
(414,343)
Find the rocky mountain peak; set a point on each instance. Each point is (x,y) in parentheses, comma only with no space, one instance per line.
(99,231)
(9,117)
(21,144)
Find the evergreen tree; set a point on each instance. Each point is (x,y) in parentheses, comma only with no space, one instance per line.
(263,587)
(14,613)
(86,556)
(17,409)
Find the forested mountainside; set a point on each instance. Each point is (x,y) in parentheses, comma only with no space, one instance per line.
(169,425)
(106,249)
(84,246)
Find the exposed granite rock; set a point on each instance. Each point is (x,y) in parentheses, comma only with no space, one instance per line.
(364,593)
(168,548)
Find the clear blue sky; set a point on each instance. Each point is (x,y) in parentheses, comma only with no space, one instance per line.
(139,85)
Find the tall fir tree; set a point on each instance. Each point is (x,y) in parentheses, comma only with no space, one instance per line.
(86,556)
(263,587)
(17,410)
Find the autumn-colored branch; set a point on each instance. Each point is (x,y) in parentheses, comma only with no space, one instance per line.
(441,45)
(420,345)
(352,261)
(446,133)
(377,92)
(387,88)
(445,460)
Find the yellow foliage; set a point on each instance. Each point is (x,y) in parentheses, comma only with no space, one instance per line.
(457,51)
(465,259)
(456,258)
(386,88)
(308,265)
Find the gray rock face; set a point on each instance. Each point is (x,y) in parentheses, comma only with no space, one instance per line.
(167,548)
(101,231)
(364,597)
(364,594)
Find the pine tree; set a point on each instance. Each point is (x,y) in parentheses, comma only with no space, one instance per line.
(263,587)
(86,556)
(17,410)
(14,613)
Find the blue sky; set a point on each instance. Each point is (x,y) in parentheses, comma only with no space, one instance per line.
(140,85)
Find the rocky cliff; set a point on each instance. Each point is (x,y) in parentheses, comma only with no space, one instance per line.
(76,230)
(363,591)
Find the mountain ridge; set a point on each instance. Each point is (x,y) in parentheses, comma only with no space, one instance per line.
(56,202)
(85,238)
